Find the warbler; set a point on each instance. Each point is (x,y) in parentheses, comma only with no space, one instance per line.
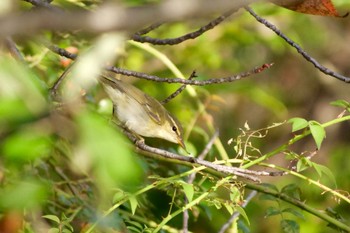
(140,113)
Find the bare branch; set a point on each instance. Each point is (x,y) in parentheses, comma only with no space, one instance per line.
(154,78)
(223,169)
(112,16)
(232,78)
(60,51)
(12,47)
(310,59)
(188,36)
(179,90)
(148,29)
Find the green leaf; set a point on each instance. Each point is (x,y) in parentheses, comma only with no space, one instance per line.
(290,226)
(271,211)
(290,155)
(292,190)
(26,145)
(341,103)
(66,231)
(320,169)
(134,229)
(119,195)
(133,203)
(12,196)
(229,208)
(53,218)
(235,194)
(298,123)
(54,230)
(106,153)
(295,212)
(317,132)
(241,211)
(22,96)
(303,164)
(188,190)
(135,224)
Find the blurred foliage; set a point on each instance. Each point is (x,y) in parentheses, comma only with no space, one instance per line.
(65,167)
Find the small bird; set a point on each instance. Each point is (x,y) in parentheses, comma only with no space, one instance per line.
(141,113)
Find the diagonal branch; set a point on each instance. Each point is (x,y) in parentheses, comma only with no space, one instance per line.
(188,36)
(310,59)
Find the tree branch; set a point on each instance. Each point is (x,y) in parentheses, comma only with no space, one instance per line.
(188,36)
(307,57)
(112,16)
(154,78)
(232,78)
(186,160)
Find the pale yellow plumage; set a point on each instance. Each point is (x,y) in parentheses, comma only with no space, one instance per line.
(141,113)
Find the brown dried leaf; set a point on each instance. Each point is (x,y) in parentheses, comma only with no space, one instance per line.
(314,7)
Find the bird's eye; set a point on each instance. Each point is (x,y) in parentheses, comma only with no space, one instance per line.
(174,128)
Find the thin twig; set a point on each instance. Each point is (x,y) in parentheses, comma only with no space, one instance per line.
(188,36)
(232,78)
(179,90)
(191,178)
(148,29)
(154,78)
(244,173)
(60,51)
(64,177)
(236,213)
(310,59)
(57,84)
(12,47)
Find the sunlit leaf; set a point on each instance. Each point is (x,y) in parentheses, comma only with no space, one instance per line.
(188,190)
(242,212)
(26,145)
(22,96)
(53,218)
(105,151)
(341,103)
(133,203)
(321,169)
(317,132)
(298,123)
(229,208)
(12,196)
(303,163)
(235,194)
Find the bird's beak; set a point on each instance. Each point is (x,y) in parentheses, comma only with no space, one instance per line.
(182,144)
